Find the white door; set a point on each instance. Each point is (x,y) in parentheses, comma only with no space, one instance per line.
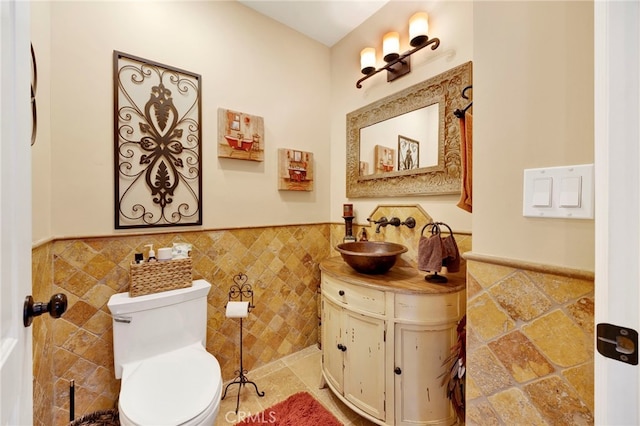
(16,394)
(617,174)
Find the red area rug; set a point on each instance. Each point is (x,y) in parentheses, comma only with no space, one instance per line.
(300,409)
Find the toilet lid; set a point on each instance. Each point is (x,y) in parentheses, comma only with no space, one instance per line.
(172,388)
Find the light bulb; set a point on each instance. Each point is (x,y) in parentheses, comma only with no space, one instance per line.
(418,29)
(368,60)
(391,46)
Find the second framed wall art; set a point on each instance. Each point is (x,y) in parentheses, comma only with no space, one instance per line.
(295,170)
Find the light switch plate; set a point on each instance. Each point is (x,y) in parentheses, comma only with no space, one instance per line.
(570,192)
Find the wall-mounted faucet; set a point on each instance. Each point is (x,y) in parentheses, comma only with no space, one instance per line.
(383,221)
(394,221)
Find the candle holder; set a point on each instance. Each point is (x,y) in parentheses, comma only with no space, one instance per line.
(348,229)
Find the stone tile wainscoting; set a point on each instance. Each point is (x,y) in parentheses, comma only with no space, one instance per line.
(530,338)
(280,262)
(43,373)
(529,327)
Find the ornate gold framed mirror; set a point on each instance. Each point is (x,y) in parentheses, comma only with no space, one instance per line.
(378,161)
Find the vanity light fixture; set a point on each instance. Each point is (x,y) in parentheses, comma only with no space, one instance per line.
(397,64)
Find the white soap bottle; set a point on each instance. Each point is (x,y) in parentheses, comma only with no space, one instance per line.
(152,253)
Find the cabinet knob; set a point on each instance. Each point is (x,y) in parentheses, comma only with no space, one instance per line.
(397,370)
(342,347)
(341,292)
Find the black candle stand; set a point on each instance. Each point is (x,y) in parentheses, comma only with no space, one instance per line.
(237,291)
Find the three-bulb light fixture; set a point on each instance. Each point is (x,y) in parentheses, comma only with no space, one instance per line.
(397,64)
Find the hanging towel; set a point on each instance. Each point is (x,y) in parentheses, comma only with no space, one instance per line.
(430,253)
(450,253)
(466,148)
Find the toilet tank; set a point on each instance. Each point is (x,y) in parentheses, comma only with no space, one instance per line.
(157,323)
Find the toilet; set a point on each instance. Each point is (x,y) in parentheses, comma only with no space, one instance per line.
(168,377)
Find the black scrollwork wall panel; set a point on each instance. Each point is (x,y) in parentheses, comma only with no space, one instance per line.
(158,152)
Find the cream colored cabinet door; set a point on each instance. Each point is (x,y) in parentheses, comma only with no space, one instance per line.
(364,364)
(332,341)
(420,399)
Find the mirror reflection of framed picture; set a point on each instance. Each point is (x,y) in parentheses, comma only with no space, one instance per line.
(384,159)
(364,168)
(408,153)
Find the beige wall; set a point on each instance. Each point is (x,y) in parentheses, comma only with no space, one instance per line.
(533,107)
(450,21)
(247,61)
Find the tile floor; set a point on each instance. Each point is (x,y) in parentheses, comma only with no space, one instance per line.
(295,373)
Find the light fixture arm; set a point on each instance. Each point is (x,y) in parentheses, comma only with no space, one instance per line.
(434,42)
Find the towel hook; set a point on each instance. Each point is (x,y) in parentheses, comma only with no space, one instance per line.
(460,112)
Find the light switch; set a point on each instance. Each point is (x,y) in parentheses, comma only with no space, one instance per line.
(559,192)
(542,188)
(570,191)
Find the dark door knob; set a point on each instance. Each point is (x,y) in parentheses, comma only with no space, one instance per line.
(397,370)
(341,292)
(56,307)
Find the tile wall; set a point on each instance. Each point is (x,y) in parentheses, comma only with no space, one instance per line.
(42,326)
(530,329)
(280,262)
(529,344)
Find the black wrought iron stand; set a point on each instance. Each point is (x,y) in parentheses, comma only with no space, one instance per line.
(237,291)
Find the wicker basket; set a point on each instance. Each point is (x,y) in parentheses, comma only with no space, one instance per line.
(99,418)
(154,277)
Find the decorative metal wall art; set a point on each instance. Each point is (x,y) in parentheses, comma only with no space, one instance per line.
(158,152)
(240,135)
(295,170)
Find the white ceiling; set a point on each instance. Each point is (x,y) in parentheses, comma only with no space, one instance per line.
(326,21)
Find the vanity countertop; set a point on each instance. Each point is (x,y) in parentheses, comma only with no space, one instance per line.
(400,278)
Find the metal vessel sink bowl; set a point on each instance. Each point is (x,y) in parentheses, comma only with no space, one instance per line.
(371,257)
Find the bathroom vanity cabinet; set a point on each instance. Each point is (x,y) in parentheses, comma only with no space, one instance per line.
(384,341)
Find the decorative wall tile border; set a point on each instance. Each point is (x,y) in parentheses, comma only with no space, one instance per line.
(530,266)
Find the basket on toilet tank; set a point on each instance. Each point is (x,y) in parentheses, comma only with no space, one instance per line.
(154,277)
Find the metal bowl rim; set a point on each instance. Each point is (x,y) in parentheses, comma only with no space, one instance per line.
(400,249)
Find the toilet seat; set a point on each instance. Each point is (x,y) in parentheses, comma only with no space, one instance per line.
(182,387)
